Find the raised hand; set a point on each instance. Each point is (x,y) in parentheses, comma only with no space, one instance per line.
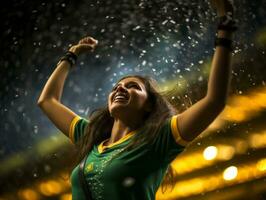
(86,44)
(223,7)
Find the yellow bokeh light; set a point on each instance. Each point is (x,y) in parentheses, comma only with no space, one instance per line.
(66,197)
(50,188)
(210,152)
(258,140)
(261,165)
(234,114)
(241,108)
(230,173)
(225,152)
(28,194)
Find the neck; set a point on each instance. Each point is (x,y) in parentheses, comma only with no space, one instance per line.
(122,128)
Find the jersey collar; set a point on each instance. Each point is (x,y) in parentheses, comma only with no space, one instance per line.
(102,147)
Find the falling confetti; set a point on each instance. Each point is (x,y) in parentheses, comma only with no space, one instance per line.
(168,40)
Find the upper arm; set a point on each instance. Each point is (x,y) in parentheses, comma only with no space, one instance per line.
(197,118)
(60,115)
(168,143)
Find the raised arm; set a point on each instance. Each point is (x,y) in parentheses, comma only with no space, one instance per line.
(199,116)
(49,100)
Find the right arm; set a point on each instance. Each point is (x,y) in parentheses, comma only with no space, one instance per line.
(49,100)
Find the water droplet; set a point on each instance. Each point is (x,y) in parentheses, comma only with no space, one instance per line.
(128,182)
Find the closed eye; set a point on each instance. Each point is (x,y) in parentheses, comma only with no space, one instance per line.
(133,85)
(130,84)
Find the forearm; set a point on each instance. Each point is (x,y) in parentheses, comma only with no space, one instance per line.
(220,75)
(54,86)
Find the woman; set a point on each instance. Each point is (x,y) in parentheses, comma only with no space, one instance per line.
(127,146)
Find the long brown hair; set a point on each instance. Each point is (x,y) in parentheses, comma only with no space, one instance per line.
(101,122)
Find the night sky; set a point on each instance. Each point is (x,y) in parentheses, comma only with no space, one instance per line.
(164,39)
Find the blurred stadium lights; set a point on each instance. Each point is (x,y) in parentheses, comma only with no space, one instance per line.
(45,147)
(210,152)
(260,38)
(66,197)
(191,180)
(223,167)
(231,175)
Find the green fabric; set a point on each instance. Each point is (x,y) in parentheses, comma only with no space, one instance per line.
(132,175)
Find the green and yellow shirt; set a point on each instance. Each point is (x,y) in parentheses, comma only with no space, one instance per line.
(130,175)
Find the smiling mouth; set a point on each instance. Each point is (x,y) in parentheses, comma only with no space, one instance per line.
(120,98)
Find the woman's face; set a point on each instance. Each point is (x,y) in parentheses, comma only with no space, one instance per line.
(128,97)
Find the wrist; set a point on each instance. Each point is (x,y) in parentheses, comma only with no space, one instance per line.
(74,50)
(224,42)
(225,34)
(70,57)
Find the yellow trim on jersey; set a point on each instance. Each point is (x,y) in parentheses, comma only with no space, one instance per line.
(72,127)
(101,147)
(176,132)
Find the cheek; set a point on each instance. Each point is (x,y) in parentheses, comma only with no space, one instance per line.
(139,99)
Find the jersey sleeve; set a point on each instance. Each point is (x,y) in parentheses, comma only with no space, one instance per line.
(77,128)
(169,142)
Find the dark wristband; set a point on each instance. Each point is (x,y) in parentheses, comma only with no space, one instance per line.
(223,42)
(70,57)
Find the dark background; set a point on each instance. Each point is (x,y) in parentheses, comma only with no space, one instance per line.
(164,39)
(167,40)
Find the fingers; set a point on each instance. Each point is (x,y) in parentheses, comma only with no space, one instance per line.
(88,40)
(213,4)
(86,47)
(223,7)
(86,44)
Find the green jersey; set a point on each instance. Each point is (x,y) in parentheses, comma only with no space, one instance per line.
(112,173)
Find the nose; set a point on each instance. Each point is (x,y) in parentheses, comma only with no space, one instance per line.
(121,88)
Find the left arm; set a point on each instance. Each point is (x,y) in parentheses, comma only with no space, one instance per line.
(199,116)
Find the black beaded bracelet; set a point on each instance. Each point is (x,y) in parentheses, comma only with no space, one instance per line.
(70,57)
(227,43)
